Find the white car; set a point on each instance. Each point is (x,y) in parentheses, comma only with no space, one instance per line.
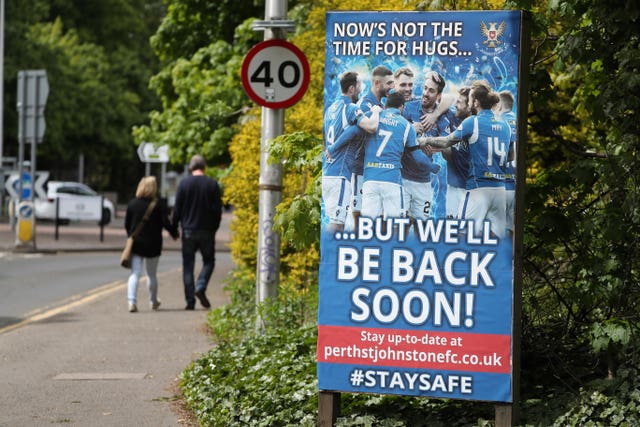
(46,208)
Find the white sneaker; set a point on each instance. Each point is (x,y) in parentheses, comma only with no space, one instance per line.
(132,308)
(155,305)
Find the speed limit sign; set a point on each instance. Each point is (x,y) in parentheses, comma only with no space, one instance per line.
(275,74)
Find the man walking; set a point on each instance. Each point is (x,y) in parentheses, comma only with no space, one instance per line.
(198,209)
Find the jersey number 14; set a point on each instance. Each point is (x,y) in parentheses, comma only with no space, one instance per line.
(494,146)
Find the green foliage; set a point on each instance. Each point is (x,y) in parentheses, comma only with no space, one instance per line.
(245,154)
(190,25)
(112,24)
(98,63)
(459,5)
(298,220)
(611,333)
(201,45)
(232,321)
(581,269)
(580,312)
(87,111)
(262,380)
(202,97)
(611,403)
(403,411)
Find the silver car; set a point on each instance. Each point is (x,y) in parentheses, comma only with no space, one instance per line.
(46,208)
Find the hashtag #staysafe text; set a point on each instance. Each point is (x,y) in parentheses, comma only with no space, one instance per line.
(414,381)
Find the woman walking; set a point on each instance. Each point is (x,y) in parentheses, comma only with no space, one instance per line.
(152,213)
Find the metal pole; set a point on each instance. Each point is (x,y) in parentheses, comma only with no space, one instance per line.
(1,87)
(270,184)
(22,128)
(22,113)
(34,140)
(81,167)
(163,180)
(34,147)
(1,102)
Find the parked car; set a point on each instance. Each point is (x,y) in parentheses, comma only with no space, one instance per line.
(46,208)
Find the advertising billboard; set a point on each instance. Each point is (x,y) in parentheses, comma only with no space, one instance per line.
(416,270)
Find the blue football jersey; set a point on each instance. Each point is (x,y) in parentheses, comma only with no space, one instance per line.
(458,166)
(454,121)
(384,149)
(413,113)
(339,117)
(487,140)
(411,169)
(366,103)
(510,181)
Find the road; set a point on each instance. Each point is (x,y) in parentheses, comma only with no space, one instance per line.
(74,263)
(72,354)
(31,283)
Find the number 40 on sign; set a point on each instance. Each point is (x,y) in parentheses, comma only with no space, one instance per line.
(275,74)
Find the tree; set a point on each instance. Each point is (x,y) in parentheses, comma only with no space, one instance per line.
(582,211)
(199,85)
(583,198)
(123,29)
(206,100)
(97,75)
(193,24)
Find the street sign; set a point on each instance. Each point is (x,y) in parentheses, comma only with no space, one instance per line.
(33,91)
(149,153)
(275,74)
(26,222)
(38,185)
(12,184)
(26,186)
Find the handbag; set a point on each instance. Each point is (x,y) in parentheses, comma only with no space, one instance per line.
(125,258)
(127,252)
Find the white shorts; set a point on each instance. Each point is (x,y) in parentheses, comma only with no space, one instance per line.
(335,194)
(485,204)
(417,198)
(356,192)
(381,198)
(511,201)
(455,195)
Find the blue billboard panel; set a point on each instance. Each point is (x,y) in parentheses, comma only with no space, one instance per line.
(416,268)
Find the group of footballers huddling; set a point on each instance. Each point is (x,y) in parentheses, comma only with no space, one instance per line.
(391,154)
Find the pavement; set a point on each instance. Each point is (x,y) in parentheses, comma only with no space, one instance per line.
(88,236)
(87,361)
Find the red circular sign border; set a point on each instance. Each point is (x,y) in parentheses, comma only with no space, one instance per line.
(306,77)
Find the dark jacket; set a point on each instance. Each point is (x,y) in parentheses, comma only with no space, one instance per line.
(198,204)
(149,242)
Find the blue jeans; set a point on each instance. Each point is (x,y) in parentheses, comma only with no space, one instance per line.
(151,266)
(192,242)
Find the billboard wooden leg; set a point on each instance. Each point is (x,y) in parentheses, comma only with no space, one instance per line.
(328,408)
(504,415)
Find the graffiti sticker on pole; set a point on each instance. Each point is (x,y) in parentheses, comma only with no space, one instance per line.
(416,281)
(275,74)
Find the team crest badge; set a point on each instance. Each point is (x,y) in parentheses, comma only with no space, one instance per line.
(492,33)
